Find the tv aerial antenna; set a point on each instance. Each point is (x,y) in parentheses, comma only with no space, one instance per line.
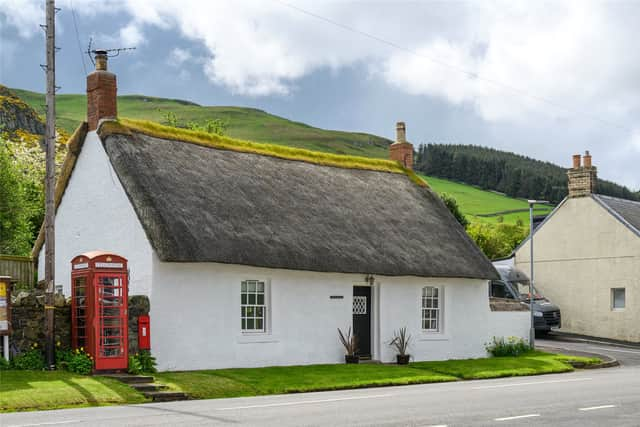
(111,53)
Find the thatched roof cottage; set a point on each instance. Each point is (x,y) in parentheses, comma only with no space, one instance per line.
(253,254)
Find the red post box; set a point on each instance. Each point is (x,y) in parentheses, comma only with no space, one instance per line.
(144,332)
(99,309)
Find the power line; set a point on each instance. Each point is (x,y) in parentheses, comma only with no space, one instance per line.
(75,25)
(460,70)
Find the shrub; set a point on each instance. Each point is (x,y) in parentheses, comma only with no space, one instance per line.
(512,346)
(76,361)
(4,364)
(80,362)
(147,361)
(135,368)
(31,360)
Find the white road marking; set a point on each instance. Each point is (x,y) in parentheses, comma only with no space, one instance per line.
(305,402)
(611,349)
(593,408)
(517,417)
(530,383)
(45,424)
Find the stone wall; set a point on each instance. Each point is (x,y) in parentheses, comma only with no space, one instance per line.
(27,320)
(28,323)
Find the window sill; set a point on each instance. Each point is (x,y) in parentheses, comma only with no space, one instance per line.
(256,338)
(433,336)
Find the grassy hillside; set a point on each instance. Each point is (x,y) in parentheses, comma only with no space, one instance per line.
(256,125)
(245,123)
(485,206)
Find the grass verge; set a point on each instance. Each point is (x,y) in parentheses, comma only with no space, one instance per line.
(39,390)
(294,379)
(532,363)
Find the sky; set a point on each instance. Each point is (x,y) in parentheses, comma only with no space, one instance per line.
(542,79)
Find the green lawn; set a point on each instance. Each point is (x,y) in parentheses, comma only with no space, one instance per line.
(39,390)
(475,201)
(534,363)
(293,379)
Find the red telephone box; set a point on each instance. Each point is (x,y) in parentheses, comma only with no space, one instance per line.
(99,308)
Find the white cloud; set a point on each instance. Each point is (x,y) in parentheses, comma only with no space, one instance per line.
(25,16)
(179,56)
(510,62)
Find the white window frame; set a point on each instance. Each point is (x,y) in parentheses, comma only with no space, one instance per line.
(249,307)
(426,309)
(613,298)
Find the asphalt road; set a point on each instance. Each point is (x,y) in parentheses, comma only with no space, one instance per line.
(601,397)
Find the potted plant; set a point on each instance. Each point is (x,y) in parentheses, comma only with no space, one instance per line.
(350,343)
(401,342)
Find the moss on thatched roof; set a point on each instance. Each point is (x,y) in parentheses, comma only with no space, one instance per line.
(126,126)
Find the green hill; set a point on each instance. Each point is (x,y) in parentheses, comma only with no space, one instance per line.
(256,125)
(245,123)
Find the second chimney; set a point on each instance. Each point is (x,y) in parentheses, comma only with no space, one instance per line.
(583,177)
(401,150)
(101,93)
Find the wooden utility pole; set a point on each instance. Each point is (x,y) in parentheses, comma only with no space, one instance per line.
(49,185)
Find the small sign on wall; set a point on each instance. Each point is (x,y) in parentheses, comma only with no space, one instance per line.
(336,297)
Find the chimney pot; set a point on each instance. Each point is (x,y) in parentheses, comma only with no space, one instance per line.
(586,159)
(576,161)
(101,60)
(401,132)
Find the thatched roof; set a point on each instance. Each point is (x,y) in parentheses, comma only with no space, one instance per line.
(203,204)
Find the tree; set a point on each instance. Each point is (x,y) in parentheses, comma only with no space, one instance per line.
(497,240)
(452,205)
(15,230)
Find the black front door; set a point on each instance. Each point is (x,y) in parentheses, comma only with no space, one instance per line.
(362,319)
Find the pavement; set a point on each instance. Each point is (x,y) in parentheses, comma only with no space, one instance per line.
(600,397)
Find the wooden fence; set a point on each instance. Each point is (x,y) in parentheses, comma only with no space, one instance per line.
(20,268)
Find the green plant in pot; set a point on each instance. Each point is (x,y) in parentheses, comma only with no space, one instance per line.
(350,343)
(401,342)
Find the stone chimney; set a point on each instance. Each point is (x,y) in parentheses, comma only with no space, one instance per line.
(401,150)
(583,177)
(101,93)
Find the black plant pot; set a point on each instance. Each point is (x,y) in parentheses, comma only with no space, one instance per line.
(403,359)
(351,358)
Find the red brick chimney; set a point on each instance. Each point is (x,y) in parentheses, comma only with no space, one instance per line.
(401,150)
(101,93)
(583,177)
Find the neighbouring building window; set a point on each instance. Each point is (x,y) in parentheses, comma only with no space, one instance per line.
(253,306)
(617,298)
(431,308)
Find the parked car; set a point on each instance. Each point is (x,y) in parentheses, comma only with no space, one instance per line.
(514,284)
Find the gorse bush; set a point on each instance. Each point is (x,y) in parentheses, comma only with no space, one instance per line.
(512,346)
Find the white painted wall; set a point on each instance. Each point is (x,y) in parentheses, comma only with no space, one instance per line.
(195,317)
(509,324)
(581,253)
(465,318)
(95,214)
